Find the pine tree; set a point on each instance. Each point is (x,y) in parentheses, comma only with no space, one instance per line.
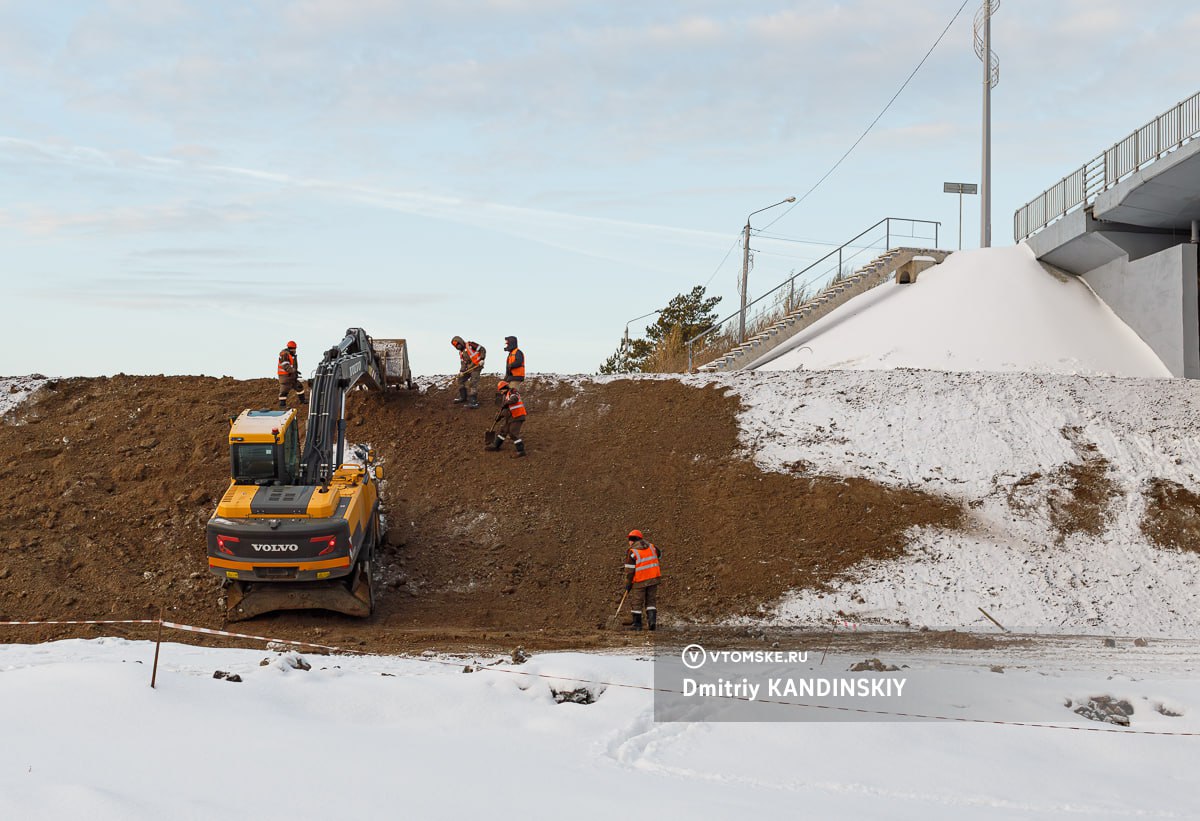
(685,316)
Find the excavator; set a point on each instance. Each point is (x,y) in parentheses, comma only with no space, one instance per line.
(298,528)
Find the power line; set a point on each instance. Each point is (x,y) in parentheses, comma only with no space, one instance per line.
(736,242)
(876,120)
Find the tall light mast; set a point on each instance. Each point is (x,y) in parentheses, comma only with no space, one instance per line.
(991,78)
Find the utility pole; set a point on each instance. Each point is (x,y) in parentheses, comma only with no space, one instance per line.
(746,267)
(991,77)
(745,279)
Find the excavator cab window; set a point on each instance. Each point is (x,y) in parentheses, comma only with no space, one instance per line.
(254,463)
(291,456)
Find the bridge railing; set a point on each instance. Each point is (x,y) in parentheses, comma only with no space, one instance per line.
(1156,138)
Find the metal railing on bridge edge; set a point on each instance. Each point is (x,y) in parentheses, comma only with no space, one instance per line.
(1160,136)
(838,252)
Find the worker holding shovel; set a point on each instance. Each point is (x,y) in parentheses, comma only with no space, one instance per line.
(470,358)
(512,411)
(642,579)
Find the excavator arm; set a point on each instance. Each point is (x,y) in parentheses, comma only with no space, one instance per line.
(351,361)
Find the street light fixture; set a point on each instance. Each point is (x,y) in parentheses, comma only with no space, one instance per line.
(746,267)
(626,342)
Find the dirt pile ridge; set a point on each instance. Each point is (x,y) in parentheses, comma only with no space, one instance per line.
(107,485)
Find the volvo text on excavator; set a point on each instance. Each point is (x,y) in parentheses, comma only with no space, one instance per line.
(298,529)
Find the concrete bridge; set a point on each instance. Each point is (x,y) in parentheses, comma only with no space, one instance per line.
(1128,223)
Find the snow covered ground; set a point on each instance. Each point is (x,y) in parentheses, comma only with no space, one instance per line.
(999,443)
(16,389)
(994,381)
(372,737)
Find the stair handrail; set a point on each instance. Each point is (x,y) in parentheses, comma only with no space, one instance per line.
(791,279)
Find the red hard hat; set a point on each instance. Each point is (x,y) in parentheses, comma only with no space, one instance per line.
(291,344)
(635,534)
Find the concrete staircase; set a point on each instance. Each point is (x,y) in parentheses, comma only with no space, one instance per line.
(875,272)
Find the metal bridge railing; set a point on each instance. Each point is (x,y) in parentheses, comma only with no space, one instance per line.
(1081,187)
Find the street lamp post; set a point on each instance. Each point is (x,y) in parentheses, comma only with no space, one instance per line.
(746,267)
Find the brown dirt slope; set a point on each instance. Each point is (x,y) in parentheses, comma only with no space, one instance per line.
(107,484)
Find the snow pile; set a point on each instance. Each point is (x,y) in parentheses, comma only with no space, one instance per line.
(86,737)
(16,389)
(1004,445)
(993,309)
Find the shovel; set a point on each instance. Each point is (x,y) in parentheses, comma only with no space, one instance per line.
(489,435)
(608,624)
(454,379)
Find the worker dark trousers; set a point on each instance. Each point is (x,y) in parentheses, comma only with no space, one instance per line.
(645,598)
(291,383)
(511,429)
(468,386)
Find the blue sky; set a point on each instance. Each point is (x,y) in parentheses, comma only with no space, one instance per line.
(187,185)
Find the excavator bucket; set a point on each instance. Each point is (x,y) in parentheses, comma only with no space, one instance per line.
(355,598)
(393,358)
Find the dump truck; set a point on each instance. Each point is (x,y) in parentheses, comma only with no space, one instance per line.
(298,528)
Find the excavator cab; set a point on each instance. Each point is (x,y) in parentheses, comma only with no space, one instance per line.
(264,448)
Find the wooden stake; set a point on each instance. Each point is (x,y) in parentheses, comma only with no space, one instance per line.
(993,621)
(157,645)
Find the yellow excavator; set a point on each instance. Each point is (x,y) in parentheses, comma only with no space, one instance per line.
(298,529)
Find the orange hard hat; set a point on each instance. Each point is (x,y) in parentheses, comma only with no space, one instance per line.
(291,344)
(635,534)
(501,385)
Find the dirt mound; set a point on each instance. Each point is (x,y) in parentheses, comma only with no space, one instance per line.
(1172,518)
(107,485)
(1078,495)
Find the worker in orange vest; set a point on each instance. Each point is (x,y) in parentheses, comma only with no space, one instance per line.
(512,410)
(514,367)
(643,576)
(470,365)
(289,376)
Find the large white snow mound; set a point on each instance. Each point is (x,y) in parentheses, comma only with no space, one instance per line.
(993,309)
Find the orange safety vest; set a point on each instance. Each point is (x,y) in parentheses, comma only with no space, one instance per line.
(646,566)
(517,372)
(517,409)
(472,352)
(285,357)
